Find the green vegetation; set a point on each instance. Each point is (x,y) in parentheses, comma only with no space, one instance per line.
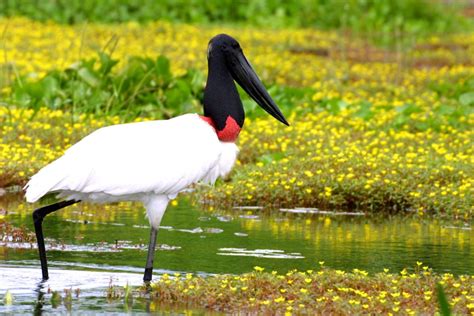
(365,135)
(443,301)
(368,17)
(145,87)
(383,128)
(320,291)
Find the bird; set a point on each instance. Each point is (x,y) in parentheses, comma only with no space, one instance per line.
(153,161)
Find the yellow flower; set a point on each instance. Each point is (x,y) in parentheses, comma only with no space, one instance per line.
(279,299)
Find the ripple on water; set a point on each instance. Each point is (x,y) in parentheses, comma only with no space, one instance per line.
(89,247)
(30,293)
(259,253)
(25,280)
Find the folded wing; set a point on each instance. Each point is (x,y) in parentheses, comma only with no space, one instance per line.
(129,160)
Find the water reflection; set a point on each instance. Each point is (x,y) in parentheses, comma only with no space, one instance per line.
(40,290)
(33,295)
(259,253)
(233,242)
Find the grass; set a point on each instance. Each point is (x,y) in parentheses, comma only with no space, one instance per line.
(372,129)
(320,291)
(367,134)
(357,165)
(389,18)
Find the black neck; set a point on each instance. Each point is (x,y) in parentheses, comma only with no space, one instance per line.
(221,98)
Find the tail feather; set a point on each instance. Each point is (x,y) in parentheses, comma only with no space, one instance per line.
(44,182)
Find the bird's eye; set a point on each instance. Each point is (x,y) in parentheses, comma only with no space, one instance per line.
(235,45)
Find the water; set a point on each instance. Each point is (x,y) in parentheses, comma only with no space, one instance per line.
(90,246)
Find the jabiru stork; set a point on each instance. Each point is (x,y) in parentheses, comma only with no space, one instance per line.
(153,161)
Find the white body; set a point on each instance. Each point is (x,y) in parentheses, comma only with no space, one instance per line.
(148,161)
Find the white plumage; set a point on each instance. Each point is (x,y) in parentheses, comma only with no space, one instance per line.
(153,161)
(148,161)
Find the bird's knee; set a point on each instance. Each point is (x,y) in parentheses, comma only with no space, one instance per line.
(37,216)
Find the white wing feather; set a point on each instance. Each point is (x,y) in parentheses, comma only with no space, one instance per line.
(128,161)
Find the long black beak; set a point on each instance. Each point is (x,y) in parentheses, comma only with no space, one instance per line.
(246,77)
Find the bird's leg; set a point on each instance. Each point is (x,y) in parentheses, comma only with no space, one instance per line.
(38,216)
(155,208)
(151,255)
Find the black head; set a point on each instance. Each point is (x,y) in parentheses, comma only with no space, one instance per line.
(223,44)
(227,62)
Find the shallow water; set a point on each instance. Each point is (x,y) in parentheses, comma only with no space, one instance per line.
(88,246)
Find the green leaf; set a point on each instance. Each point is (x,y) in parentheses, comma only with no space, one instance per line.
(163,67)
(34,89)
(334,106)
(79,91)
(467,98)
(106,63)
(269,158)
(50,86)
(408,109)
(88,76)
(249,105)
(365,112)
(444,109)
(443,301)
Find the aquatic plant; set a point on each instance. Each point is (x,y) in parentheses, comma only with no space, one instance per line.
(389,136)
(145,87)
(345,162)
(372,129)
(321,291)
(10,233)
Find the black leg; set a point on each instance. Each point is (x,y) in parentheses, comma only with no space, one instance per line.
(38,216)
(151,255)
